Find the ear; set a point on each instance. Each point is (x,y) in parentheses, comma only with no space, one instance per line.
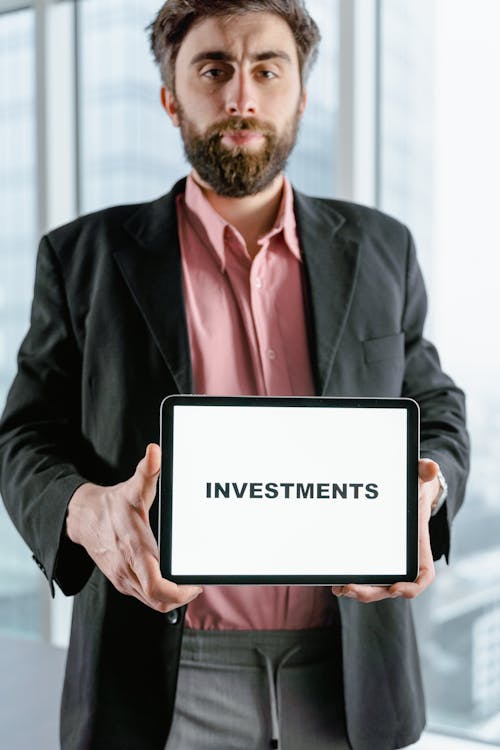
(169,104)
(302,102)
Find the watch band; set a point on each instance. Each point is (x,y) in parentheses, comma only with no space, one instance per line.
(439,500)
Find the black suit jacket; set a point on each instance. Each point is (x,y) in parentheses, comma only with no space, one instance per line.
(108,340)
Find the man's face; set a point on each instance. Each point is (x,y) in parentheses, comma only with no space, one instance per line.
(238,100)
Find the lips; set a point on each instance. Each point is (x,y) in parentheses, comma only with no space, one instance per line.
(241,138)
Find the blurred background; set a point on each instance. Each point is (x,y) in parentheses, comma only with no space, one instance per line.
(403,114)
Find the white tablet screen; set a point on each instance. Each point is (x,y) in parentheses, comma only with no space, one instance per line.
(283,491)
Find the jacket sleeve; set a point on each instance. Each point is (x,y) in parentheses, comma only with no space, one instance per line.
(443,434)
(40,438)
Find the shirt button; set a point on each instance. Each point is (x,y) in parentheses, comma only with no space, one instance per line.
(258,283)
(173,617)
(271,354)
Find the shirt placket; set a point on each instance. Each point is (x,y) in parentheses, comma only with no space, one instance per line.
(263,305)
(238,268)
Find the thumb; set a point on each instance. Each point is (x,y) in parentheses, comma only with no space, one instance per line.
(427,469)
(146,474)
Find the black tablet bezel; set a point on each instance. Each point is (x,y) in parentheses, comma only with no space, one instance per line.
(165,486)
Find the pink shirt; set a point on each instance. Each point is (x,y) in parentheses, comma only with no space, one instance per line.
(247,336)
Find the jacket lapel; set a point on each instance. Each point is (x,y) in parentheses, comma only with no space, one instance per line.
(331,255)
(154,277)
(153,274)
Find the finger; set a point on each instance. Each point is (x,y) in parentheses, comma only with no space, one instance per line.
(412,590)
(135,590)
(128,583)
(426,572)
(146,475)
(157,589)
(427,469)
(159,606)
(366,593)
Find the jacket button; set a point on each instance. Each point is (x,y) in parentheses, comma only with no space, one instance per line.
(173,617)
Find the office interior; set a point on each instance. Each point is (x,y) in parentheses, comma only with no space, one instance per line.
(403,114)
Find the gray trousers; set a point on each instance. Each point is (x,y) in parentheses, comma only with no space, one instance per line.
(256,690)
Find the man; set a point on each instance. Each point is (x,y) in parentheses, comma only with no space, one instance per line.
(231,283)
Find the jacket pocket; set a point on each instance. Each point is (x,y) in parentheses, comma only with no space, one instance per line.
(386,347)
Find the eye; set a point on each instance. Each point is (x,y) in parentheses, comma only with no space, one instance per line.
(214,74)
(268,75)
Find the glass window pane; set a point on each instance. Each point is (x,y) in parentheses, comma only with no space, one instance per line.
(312,166)
(19,577)
(407,116)
(129,149)
(440,160)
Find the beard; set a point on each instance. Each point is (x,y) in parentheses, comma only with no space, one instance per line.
(237,172)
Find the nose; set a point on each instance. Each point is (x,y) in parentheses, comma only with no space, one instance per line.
(241,100)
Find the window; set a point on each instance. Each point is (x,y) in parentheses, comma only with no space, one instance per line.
(129,152)
(312,165)
(20,601)
(439,162)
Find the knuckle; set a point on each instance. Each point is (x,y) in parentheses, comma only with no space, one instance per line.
(120,581)
(120,587)
(149,591)
(153,591)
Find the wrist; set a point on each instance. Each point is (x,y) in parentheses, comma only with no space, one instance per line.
(76,510)
(441,492)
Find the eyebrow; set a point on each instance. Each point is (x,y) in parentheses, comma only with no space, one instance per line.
(226,57)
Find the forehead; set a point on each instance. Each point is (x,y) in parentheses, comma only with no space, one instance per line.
(240,37)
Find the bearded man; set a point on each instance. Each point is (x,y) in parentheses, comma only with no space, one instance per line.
(233,283)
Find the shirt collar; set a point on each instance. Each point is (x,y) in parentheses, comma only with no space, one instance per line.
(217,228)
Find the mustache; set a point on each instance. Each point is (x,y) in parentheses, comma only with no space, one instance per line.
(237,124)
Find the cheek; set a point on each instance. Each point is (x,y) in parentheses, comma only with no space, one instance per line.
(281,104)
(202,105)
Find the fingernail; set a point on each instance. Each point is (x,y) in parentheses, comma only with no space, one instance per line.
(396,595)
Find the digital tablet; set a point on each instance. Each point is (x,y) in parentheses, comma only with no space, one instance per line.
(261,490)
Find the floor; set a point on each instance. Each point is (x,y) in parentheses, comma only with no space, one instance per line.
(30,689)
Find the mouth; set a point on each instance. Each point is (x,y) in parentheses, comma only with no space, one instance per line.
(241,138)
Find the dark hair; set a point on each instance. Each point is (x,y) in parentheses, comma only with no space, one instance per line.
(176,17)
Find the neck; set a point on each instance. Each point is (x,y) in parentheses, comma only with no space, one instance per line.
(253,215)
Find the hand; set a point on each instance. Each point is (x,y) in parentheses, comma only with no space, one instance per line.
(428,489)
(112,523)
